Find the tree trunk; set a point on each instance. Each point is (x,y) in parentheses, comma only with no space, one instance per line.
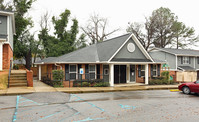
(28,60)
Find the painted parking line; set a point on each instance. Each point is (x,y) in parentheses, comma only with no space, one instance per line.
(127,106)
(174,90)
(16,109)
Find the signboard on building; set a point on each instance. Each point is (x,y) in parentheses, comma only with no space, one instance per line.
(81,71)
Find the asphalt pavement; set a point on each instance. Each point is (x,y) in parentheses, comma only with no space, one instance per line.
(134,106)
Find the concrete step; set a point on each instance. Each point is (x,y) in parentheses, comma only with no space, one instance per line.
(18,71)
(18,78)
(18,81)
(18,85)
(18,74)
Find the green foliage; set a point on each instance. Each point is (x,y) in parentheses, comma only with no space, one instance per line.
(90,83)
(58,75)
(15,67)
(183,35)
(165,75)
(85,84)
(164,80)
(63,41)
(102,84)
(162,28)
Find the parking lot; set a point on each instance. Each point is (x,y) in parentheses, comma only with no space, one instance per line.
(143,106)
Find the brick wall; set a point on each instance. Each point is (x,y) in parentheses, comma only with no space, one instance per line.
(29,78)
(7,55)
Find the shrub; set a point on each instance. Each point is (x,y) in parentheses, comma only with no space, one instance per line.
(85,84)
(15,67)
(102,84)
(165,75)
(58,76)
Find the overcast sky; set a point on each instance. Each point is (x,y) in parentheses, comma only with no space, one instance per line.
(118,12)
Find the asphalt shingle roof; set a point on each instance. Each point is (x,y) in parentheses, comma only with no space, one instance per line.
(94,53)
(186,68)
(181,51)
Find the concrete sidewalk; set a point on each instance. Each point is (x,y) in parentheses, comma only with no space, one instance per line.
(41,87)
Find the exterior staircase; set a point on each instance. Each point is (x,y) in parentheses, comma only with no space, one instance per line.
(18,78)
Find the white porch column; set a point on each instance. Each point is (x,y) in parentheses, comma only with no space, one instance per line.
(146,74)
(128,73)
(39,72)
(1,56)
(111,74)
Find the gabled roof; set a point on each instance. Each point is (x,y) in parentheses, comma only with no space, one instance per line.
(179,52)
(100,52)
(11,14)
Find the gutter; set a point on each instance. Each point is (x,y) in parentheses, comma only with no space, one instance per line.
(58,66)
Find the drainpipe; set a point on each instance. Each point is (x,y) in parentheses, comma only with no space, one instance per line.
(58,66)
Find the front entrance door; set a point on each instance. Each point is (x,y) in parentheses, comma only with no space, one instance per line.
(119,74)
(132,73)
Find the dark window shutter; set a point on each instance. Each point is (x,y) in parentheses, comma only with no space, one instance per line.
(198,60)
(189,60)
(98,71)
(79,75)
(87,71)
(158,69)
(181,60)
(66,72)
(139,70)
(151,70)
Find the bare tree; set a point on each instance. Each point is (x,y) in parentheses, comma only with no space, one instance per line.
(96,29)
(146,37)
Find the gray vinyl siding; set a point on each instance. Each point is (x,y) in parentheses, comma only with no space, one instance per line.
(10,33)
(106,77)
(3,25)
(197,63)
(169,58)
(124,53)
(180,63)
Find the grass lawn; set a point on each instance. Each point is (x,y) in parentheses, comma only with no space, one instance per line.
(3,80)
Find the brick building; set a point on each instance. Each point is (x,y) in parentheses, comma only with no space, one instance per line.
(7,30)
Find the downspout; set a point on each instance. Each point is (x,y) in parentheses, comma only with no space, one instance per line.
(58,66)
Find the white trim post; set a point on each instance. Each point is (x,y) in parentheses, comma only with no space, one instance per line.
(111,74)
(39,72)
(146,74)
(1,56)
(128,73)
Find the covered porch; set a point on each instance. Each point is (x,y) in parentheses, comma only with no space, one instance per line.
(128,73)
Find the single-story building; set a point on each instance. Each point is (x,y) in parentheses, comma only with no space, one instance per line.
(118,60)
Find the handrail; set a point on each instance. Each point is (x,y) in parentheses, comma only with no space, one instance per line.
(9,73)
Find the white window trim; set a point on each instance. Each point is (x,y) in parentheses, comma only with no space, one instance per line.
(185,59)
(92,71)
(156,70)
(142,70)
(73,72)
